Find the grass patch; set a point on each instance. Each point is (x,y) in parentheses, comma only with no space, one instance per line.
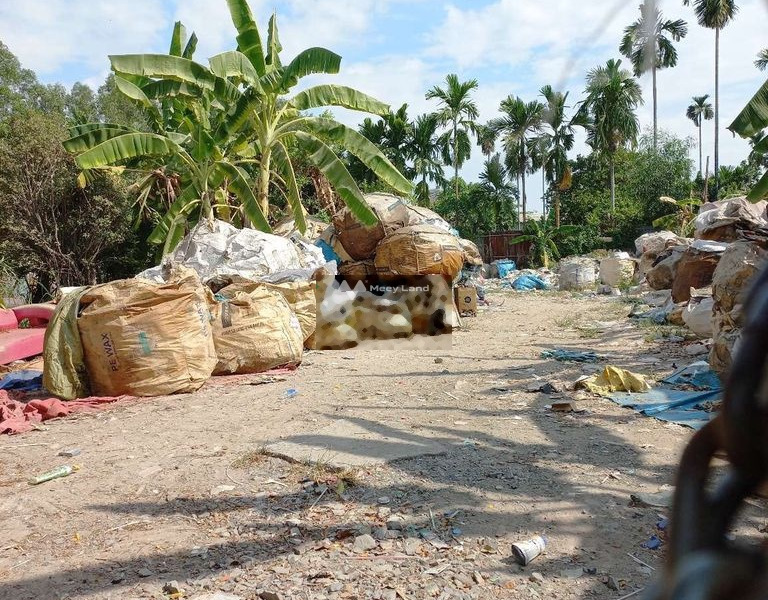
(251,458)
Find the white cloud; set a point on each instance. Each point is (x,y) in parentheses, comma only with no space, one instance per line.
(50,36)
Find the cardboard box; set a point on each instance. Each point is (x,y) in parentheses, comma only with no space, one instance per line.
(466,300)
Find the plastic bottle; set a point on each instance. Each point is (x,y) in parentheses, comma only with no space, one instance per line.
(62,471)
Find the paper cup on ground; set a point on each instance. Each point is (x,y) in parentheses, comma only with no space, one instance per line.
(525,551)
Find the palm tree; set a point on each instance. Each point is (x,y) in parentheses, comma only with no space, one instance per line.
(559,135)
(762,59)
(715,14)
(424,151)
(495,182)
(612,97)
(699,111)
(518,123)
(459,111)
(646,45)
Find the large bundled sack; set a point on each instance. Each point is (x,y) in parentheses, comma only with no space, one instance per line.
(656,242)
(577,273)
(697,316)
(255,331)
(418,215)
(287,228)
(471,253)
(662,273)
(218,248)
(617,270)
(145,339)
(694,270)
(725,220)
(358,241)
(419,250)
(730,284)
(298,293)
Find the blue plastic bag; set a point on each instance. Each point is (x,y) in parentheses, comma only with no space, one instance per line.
(506,267)
(529,282)
(328,252)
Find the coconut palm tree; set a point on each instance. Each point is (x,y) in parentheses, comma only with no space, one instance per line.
(613,95)
(495,182)
(762,59)
(699,111)
(519,122)
(647,43)
(558,132)
(424,151)
(715,14)
(459,111)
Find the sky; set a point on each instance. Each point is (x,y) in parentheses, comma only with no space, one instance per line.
(396,50)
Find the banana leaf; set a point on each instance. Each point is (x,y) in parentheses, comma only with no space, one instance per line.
(238,185)
(282,162)
(309,61)
(128,145)
(234,64)
(754,116)
(248,37)
(329,164)
(337,95)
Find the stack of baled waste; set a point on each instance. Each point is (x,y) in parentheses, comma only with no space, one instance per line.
(707,277)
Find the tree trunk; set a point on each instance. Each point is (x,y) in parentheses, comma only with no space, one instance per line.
(701,170)
(655,109)
(705,197)
(522,169)
(613,187)
(543,192)
(323,190)
(456,160)
(716,191)
(264,183)
(557,208)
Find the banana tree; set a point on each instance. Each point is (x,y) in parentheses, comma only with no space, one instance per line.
(751,122)
(230,126)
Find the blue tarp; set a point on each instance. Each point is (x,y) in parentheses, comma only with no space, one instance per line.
(328,252)
(679,398)
(22,381)
(505,267)
(529,282)
(564,355)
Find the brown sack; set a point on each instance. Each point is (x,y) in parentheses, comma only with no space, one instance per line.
(661,275)
(471,253)
(144,339)
(419,250)
(694,270)
(360,270)
(300,296)
(360,242)
(255,332)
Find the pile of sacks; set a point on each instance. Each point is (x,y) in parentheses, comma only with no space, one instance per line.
(226,301)
(406,245)
(708,276)
(408,241)
(580,273)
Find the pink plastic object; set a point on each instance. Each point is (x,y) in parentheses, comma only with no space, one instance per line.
(15,343)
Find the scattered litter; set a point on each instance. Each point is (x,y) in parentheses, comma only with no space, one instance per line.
(614,379)
(564,355)
(687,397)
(62,471)
(70,452)
(290,393)
(526,283)
(565,406)
(653,543)
(264,379)
(660,499)
(527,550)
(544,388)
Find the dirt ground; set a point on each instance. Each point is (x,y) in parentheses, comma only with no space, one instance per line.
(188,489)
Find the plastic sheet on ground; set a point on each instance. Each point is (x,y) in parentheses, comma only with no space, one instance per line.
(22,381)
(681,398)
(563,355)
(527,283)
(614,379)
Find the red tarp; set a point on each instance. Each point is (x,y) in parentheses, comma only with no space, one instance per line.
(17,416)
